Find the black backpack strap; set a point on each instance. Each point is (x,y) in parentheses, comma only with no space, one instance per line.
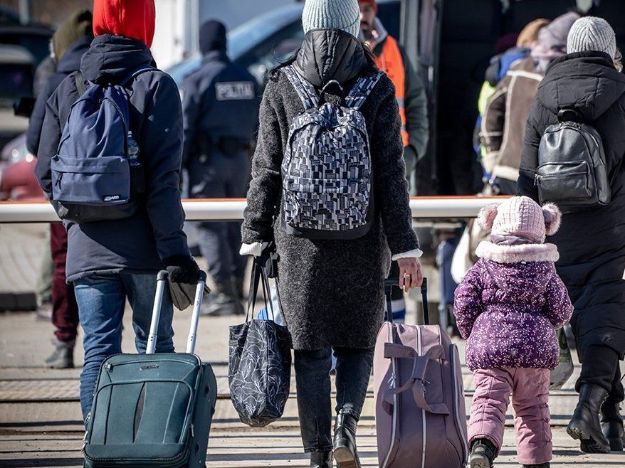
(305,90)
(126,81)
(80,83)
(361,90)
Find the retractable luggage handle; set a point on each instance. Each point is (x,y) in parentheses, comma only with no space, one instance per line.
(388,286)
(161,282)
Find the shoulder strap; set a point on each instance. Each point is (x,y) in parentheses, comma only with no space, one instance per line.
(304,89)
(80,83)
(134,74)
(361,90)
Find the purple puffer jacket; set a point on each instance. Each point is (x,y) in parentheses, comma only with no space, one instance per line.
(509,312)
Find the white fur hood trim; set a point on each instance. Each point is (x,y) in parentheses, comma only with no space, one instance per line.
(517,253)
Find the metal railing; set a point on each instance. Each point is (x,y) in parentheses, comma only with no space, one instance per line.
(232,209)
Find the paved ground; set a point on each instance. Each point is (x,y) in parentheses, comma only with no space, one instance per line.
(40,416)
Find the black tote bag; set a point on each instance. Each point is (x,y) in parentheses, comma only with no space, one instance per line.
(260,361)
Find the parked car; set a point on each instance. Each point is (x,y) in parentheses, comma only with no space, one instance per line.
(16,76)
(263,42)
(34,38)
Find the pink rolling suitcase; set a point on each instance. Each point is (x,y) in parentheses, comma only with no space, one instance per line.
(419,402)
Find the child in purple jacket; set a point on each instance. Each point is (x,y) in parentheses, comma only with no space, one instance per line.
(508,308)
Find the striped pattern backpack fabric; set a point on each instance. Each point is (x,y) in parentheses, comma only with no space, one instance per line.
(326,170)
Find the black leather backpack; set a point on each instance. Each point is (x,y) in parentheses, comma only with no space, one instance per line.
(572,170)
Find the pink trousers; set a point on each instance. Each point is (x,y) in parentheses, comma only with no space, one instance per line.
(530,397)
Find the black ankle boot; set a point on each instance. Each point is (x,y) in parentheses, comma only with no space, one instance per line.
(585,424)
(483,453)
(320,459)
(345,452)
(541,465)
(612,424)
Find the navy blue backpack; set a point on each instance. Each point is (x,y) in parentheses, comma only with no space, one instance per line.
(97,174)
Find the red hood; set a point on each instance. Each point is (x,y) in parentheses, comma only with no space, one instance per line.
(129,18)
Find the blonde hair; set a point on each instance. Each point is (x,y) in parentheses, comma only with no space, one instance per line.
(529,34)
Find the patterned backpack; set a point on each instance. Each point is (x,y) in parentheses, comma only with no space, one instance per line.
(326,170)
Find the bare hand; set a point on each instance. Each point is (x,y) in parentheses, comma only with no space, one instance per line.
(410,275)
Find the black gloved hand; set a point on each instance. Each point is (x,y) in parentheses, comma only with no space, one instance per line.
(183,277)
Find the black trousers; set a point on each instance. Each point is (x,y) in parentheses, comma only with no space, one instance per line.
(312,376)
(221,176)
(600,366)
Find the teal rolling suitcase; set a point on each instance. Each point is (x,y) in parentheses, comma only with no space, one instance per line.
(153,410)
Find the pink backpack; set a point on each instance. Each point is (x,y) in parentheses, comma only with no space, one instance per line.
(419,401)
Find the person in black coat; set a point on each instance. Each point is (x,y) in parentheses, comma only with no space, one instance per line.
(591,242)
(111,261)
(220,109)
(70,41)
(331,290)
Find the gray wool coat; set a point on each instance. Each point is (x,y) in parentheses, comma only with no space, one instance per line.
(331,290)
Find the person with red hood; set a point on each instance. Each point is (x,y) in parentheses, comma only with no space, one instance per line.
(114,260)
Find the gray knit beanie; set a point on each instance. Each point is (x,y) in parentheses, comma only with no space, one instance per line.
(591,34)
(332,14)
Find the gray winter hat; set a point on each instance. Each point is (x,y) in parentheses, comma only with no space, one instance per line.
(332,14)
(591,34)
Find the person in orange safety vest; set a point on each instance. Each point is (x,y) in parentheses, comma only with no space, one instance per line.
(409,88)
(412,101)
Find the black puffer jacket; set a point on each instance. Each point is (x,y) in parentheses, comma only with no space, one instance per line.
(592,242)
(332,290)
(154,235)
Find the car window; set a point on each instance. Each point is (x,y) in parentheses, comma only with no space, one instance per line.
(244,37)
(273,51)
(36,44)
(16,79)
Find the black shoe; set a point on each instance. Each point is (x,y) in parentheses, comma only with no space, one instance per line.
(63,355)
(345,452)
(542,465)
(584,424)
(483,453)
(320,459)
(612,424)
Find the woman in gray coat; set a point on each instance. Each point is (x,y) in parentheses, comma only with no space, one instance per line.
(332,289)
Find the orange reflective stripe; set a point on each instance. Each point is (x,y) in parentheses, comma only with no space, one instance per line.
(390,62)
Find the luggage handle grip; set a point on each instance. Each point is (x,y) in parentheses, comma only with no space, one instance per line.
(389,283)
(161,281)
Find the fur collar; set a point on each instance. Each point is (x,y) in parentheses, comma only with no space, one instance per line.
(517,253)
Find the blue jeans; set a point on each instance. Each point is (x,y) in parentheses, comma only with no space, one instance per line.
(101,300)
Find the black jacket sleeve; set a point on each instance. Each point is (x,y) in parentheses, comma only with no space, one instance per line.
(33,134)
(265,189)
(35,123)
(529,154)
(416,103)
(51,130)
(161,146)
(390,185)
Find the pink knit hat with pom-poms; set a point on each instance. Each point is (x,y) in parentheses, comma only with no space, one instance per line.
(521,217)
